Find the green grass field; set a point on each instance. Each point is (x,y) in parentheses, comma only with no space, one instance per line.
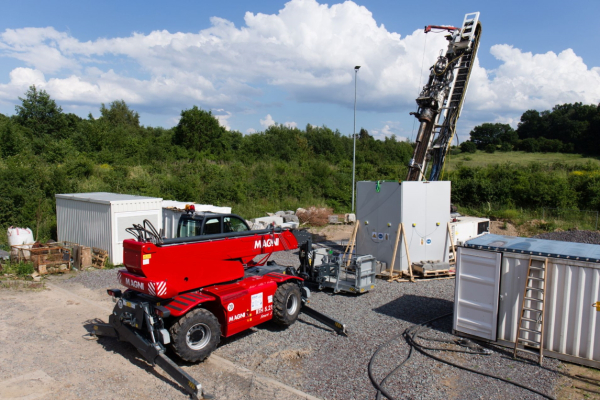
(481,158)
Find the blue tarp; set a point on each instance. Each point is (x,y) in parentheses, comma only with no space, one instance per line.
(537,247)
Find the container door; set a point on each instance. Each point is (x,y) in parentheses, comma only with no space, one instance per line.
(476,292)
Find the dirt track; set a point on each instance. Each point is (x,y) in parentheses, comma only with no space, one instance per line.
(43,355)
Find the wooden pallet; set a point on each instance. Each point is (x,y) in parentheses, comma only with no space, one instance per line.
(99,258)
(420,273)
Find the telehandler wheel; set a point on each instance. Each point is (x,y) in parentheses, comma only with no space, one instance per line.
(195,335)
(286,304)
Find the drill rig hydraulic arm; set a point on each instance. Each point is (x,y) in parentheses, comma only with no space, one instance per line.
(443,95)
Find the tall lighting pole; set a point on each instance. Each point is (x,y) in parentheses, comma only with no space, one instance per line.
(354,136)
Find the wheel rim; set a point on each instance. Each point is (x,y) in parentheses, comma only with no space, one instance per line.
(198,336)
(292,304)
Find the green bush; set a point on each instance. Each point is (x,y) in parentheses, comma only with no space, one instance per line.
(468,147)
(490,148)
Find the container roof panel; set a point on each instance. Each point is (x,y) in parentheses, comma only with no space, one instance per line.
(106,197)
(537,247)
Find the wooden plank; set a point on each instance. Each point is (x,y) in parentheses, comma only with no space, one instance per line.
(395,250)
(351,243)
(410,270)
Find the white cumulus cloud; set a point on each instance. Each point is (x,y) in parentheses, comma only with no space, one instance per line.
(307,50)
(267,122)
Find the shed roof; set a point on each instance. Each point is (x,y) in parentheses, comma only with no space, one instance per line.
(106,197)
(537,247)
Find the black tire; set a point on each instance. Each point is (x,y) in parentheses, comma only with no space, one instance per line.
(286,304)
(195,335)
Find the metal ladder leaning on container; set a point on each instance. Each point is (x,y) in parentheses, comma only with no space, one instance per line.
(534,321)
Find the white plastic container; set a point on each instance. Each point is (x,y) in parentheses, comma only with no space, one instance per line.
(20,236)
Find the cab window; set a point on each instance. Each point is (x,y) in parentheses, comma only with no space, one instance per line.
(189,227)
(234,224)
(212,226)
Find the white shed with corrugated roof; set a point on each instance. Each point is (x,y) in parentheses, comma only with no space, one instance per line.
(99,219)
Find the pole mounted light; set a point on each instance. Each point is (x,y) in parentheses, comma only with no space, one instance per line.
(354,136)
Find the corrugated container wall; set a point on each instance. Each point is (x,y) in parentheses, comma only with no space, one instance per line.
(100,219)
(571,322)
(70,223)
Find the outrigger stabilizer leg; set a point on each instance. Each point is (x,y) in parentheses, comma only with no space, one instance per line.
(154,353)
(325,319)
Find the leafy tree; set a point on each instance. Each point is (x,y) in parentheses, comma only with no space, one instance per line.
(9,141)
(198,130)
(364,134)
(533,124)
(468,147)
(496,134)
(40,114)
(118,113)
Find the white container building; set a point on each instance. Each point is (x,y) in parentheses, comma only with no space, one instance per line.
(490,282)
(423,207)
(99,219)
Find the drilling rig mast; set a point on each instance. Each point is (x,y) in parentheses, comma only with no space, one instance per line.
(443,95)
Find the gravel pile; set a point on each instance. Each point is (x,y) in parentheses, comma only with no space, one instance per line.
(592,237)
(98,279)
(313,359)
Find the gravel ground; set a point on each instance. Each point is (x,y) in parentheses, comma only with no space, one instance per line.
(312,358)
(592,237)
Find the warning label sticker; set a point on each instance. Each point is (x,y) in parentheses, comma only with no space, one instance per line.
(428,241)
(387,236)
(256,301)
(374,235)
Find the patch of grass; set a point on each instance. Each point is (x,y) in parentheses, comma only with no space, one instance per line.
(19,285)
(109,265)
(20,269)
(481,158)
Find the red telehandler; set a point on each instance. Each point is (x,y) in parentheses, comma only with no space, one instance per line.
(185,293)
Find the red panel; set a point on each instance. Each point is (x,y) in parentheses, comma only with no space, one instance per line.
(244,304)
(189,266)
(183,303)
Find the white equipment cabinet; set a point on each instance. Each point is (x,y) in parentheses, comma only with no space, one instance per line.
(99,219)
(490,282)
(423,207)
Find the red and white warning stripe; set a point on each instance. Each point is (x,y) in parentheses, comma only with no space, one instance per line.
(161,288)
(157,288)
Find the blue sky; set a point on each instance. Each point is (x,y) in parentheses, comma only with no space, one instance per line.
(256,63)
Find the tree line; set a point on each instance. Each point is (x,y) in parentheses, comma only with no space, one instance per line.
(45,151)
(567,128)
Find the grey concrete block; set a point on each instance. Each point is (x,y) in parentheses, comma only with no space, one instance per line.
(290,218)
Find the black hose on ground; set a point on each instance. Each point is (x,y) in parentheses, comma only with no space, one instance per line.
(409,334)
